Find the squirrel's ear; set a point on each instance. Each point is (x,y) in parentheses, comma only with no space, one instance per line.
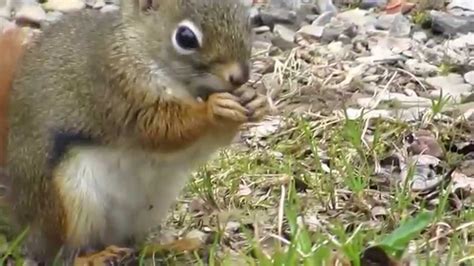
(136,7)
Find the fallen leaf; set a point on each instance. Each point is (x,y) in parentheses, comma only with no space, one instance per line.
(244,190)
(378,212)
(424,142)
(463,186)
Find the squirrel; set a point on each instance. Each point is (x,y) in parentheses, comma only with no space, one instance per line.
(107,115)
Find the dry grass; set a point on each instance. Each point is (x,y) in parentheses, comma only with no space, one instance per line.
(307,186)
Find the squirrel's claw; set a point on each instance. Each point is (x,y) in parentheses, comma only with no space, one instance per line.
(258,108)
(246,94)
(227,106)
(255,103)
(112,255)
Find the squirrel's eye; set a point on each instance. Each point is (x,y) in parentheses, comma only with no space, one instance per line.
(186,38)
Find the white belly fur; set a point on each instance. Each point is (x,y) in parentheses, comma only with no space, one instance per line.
(112,195)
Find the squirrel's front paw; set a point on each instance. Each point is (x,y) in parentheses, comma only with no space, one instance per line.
(225,106)
(256,104)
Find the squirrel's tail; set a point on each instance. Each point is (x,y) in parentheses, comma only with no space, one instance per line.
(11,51)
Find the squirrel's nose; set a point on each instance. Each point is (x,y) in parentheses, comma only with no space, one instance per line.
(238,74)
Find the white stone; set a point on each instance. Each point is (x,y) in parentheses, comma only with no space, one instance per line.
(420,36)
(357,17)
(420,68)
(31,12)
(312,31)
(284,33)
(400,27)
(402,99)
(452,86)
(99,4)
(469,77)
(464,4)
(53,16)
(109,8)
(64,5)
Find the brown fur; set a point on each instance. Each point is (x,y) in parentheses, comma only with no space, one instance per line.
(116,79)
(12,50)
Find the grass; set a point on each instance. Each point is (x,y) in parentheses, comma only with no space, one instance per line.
(294,207)
(311,192)
(307,195)
(422,18)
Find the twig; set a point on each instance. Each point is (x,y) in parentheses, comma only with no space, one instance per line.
(281,210)
(414,77)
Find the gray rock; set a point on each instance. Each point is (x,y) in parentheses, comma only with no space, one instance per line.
(431,43)
(99,4)
(385,21)
(408,53)
(403,100)
(469,77)
(324,19)
(448,24)
(311,31)
(386,50)
(334,30)
(325,6)
(284,37)
(367,4)
(306,14)
(395,45)
(254,14)
(283,44)
(451,85)
(445,81)
(284,32)
(400,27)
(344,39)
(420,68)
(264,37)
(338,50)
(410,114)
(90,3)
(357,113)
(109,8)
(420,36)
(462,4)
(359,17)
(261,29)
(247,3)
(461,12)
(462,42)
(311,17)
(24,2)
(273,16)
(261,45)
(53,16)
(286,4)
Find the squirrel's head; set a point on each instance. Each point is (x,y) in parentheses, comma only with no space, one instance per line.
(203,44)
